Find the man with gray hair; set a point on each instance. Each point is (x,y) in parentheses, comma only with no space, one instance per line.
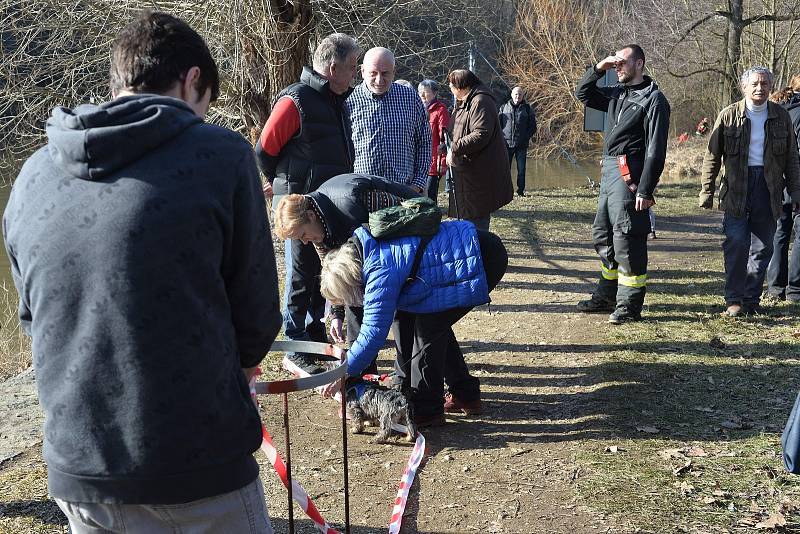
(306,141)
(391,133)
(754,139)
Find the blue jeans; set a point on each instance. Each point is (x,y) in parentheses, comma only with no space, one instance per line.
(521,153)
(747,247)
(783,274)
(243,510)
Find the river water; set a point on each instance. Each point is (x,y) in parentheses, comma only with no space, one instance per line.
(540,174)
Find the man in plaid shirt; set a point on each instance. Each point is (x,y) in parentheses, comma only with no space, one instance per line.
(391,133)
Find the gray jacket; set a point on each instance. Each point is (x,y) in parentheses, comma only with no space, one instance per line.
(140,249)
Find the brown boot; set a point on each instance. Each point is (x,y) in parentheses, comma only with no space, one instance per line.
(454,404)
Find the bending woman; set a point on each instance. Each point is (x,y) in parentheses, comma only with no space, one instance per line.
(457,270)
(327,217)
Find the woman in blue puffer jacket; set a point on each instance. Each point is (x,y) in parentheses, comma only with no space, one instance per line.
(457,270)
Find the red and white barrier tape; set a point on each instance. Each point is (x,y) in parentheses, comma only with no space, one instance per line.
(307,381)
(299,494)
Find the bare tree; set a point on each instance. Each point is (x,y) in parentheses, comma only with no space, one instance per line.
(55,52)
(553,42)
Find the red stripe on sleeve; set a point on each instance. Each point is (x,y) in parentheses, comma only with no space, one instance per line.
(282,124)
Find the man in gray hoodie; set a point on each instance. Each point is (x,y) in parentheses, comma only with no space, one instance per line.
(141,252)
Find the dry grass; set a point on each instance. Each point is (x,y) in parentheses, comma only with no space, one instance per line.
(15,345)
(685,161)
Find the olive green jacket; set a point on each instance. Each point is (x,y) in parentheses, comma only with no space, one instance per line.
(729,144)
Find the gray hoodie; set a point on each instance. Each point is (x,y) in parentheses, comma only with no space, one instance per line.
(142,255)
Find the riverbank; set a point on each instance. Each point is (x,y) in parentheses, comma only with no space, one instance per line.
(685,161)
(668,425)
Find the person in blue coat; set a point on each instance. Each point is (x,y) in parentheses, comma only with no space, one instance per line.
(456,272)
(327,217)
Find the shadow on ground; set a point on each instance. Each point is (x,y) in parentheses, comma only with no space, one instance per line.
(615,400)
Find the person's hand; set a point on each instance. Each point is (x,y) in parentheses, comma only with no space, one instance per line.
(609,63)
(249,372)
(336,330)
(267,190)
(329,390)
(643,203)
(449,159)
(416,188)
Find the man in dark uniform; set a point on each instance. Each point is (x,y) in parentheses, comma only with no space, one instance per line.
(635,147)
(306,141)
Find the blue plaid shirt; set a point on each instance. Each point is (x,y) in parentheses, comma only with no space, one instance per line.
(391,134)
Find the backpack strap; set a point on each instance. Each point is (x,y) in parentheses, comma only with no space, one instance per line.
(423,243)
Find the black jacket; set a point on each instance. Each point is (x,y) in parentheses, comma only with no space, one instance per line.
(518,124)
(342,201)
(793,107)
(322,148)
(637,125)
(142,255)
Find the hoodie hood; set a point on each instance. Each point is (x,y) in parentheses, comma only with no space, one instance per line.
(90,142)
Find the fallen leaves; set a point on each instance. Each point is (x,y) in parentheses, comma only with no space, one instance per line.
(774,521)
(678,471)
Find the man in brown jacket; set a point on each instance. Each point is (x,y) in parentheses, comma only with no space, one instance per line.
(755,141)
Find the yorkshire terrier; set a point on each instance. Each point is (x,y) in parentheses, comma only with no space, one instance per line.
(368,403)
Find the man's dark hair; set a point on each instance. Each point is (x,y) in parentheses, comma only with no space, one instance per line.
(156,50)
(636,52)
(463,79)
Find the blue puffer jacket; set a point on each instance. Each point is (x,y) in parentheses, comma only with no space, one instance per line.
(450,275)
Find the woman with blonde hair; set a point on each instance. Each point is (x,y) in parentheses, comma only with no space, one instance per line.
(327,217)
(783,273)
(455,272)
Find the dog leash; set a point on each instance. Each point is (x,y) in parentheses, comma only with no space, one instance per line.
(410,470)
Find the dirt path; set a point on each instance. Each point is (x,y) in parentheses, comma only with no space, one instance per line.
(510,470)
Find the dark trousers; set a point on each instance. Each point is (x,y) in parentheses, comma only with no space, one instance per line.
(521,153)
(783,273)
(305,306)
(433,186)
(619,234)
(428,352)
(747,247)
(482,223)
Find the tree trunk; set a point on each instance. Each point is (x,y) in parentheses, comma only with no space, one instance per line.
(272,41)
(735,29)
